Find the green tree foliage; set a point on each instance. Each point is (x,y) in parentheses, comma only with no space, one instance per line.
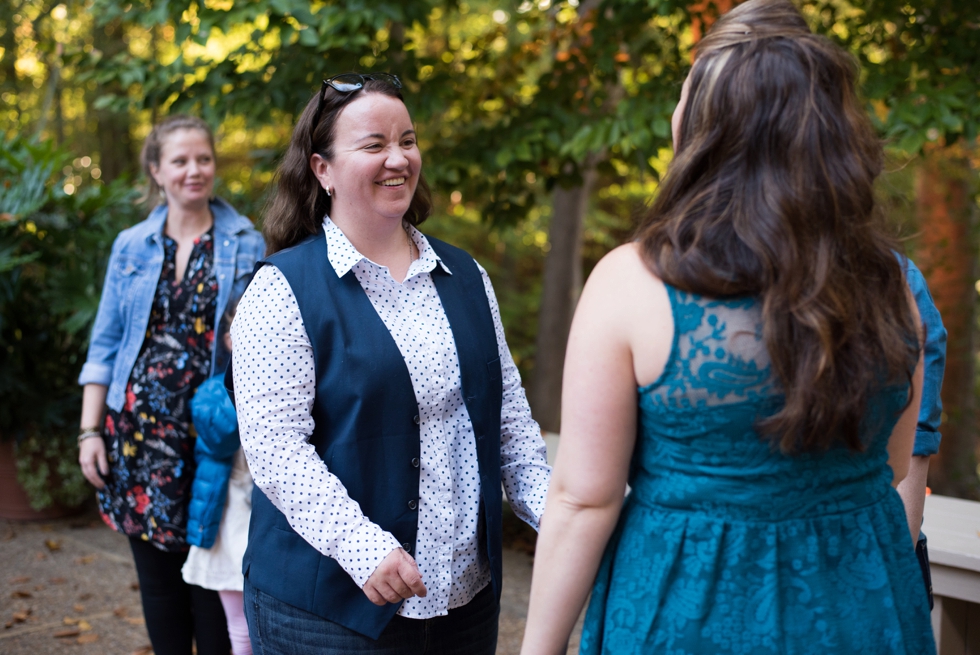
(53,251)
(921,64)
(513,99)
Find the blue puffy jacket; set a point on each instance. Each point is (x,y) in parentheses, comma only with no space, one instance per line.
(217,441)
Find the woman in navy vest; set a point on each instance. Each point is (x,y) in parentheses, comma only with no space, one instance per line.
(379,406)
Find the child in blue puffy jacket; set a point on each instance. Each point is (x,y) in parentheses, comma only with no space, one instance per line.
(221,500)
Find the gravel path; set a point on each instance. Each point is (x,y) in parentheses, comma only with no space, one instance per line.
(75,578)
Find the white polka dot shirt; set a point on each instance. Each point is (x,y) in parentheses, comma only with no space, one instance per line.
(275,387)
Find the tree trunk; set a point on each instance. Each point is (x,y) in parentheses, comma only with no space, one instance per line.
(51,91)
(116,154)
(561,286)
(559,293)
(948,258)
(8,71)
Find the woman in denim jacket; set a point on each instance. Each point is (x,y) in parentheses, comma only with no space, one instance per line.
(153,343)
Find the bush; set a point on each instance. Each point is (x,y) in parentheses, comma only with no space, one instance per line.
(54,247)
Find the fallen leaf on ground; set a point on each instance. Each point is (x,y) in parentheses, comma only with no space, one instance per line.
(88,639)
(20,593)
(21,579)
(58,580)
(52,544)
(84,625)
(135,586)
(135,620)
(70,632)
(70,620)
(85,559)
(145,650)
(21,616)
(78,607)
(8,625)
(47,527)
(84,596)
(121,611)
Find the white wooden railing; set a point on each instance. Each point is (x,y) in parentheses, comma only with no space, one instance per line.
(953,529)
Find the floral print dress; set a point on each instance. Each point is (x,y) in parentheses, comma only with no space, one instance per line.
(150,442)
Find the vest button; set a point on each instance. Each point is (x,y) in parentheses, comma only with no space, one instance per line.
(416,419)
(407,546)
(415,462)
(412,504)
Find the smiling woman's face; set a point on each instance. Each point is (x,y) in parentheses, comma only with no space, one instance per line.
(186,168)
(376,161)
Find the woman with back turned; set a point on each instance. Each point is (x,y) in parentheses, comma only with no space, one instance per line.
(750,366)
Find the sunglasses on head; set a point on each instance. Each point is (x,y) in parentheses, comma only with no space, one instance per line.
(348,83)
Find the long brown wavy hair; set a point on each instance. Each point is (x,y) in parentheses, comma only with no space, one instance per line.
(298,204)
(771,194)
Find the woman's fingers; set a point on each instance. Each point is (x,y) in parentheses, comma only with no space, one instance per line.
(396,578)
(380,592)
(411,577)
(372,594)
(103,462)
(91,456)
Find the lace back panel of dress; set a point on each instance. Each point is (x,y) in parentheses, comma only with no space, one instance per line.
(719,355)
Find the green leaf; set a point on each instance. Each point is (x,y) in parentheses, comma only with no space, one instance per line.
(911,143)
(308,37)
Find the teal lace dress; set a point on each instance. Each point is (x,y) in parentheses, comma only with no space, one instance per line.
(725,545)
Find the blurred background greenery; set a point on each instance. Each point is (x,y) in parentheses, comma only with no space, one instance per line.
(544,128)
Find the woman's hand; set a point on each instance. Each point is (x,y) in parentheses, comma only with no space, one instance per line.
(396,578)
(91,455)
(91,451)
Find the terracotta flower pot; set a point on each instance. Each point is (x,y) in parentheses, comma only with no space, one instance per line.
(14,503)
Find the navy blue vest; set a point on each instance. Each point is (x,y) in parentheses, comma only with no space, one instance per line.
(367,429)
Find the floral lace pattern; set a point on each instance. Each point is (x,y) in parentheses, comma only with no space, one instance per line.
(150,443)
(725,545)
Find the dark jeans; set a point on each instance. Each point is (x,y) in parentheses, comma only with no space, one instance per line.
(177,613)
(277,628)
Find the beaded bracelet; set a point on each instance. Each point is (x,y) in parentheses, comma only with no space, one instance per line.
(88,433)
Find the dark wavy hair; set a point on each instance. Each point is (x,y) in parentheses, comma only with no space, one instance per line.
(298,204)
(771,194)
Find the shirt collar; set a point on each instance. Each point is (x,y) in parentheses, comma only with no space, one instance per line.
(343,256)
(227,220)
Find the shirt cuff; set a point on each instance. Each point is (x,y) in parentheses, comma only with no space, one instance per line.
(926,443)
(529,506)
(93,373)
(363,550)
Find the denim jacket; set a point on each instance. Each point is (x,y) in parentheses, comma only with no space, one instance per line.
(130,283)
(931,411)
